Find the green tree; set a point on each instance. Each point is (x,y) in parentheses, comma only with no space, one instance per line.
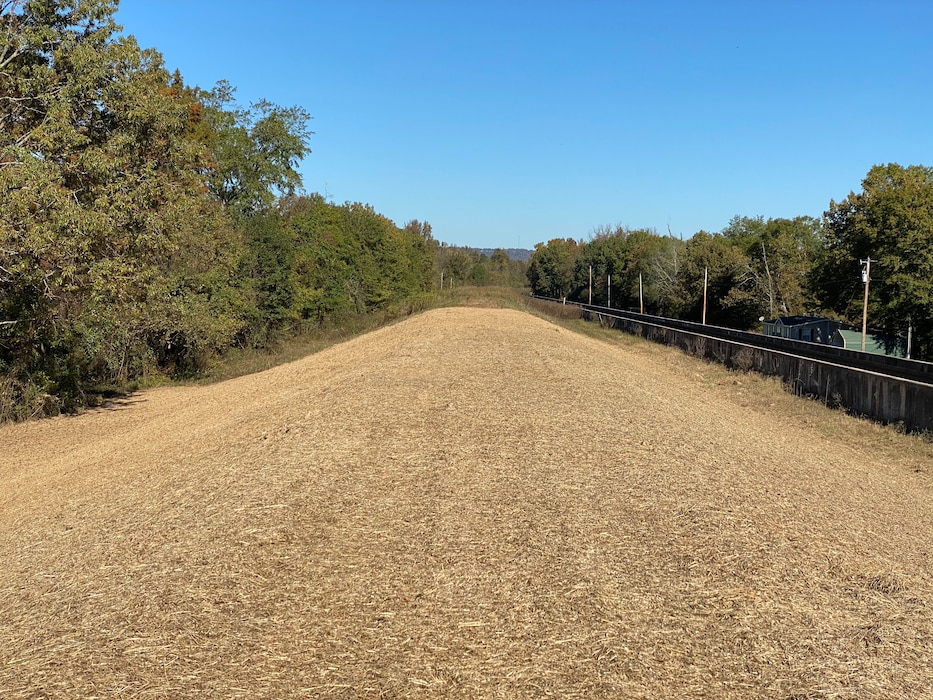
(99,178)
(499,261)
(323,258)
(455,264)
(270,266)
(891,222)
(350,260)
(723,264)
(607,254)
(552,268)
(780,254)
(137,227)
(626,255)
(479,275)
(201,303)
(254,151)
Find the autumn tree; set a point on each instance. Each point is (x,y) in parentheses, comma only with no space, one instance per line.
(138,226)
(98,179)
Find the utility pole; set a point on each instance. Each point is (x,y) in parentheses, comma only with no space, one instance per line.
(910,332)
(641,296)
(866,278)
(705,279)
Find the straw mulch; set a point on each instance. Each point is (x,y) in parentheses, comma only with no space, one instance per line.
(471,503)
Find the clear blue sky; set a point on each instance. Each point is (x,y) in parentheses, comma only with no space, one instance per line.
(506,123)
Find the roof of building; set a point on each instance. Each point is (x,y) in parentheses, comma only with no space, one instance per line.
(799,320)
(874,344)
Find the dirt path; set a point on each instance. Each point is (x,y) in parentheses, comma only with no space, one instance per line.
(472,503)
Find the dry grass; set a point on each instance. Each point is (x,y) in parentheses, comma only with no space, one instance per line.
(470,503)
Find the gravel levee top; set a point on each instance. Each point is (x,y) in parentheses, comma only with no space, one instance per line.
(470,503)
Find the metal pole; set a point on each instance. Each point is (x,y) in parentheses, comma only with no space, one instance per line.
(609,290)
(591,285)
(641,297)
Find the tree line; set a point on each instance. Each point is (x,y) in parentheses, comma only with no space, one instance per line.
(147,226)
(775,267)
(460,265)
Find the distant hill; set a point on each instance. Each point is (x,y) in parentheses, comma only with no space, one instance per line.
(514,253)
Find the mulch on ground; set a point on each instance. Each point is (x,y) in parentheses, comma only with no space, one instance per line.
(470,503)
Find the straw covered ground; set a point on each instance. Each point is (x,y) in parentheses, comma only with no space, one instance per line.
(470,503)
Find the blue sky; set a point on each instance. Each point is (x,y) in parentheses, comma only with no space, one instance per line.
(509,123)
